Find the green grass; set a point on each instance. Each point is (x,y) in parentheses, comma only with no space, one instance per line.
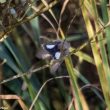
(31,79)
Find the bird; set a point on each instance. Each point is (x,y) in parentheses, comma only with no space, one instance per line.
(54,50)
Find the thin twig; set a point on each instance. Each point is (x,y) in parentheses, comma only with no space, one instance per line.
(23,74)
(15,97)
(61,14)
(35,99)
(10,28)
(91,39)
(90,86)
(45,17)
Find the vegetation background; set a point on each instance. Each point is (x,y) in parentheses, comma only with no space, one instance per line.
(82,81)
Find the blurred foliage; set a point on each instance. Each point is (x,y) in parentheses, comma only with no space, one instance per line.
(22,25)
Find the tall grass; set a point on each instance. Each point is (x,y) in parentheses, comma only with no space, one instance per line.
(90,12)
(17,53)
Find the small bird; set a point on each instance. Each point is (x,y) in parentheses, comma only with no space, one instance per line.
(55,51)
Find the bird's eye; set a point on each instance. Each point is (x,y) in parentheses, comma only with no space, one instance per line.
(50,46)
(57,55)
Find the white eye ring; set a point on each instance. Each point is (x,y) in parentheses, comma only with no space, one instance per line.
(50,46)
(57,55)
